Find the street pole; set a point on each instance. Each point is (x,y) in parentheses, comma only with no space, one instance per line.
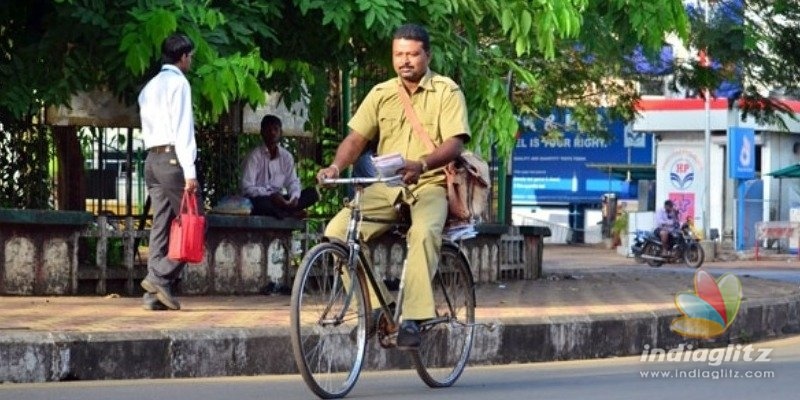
(707,150)
(504,173)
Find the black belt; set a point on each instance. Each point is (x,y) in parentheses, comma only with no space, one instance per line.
(168,148)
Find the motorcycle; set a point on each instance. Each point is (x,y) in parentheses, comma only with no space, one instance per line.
(685,246)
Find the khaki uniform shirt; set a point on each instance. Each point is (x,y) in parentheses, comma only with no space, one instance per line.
(439,105)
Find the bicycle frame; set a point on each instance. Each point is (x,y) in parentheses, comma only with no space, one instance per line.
(354,251)
(352,242)
(330,358)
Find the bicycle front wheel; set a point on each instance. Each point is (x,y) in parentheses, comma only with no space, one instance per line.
(445,346)
(328,324)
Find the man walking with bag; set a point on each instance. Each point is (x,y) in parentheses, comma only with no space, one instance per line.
(439,103)
(165,105)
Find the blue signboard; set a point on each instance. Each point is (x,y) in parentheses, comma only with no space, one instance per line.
(742,142)
(556,171)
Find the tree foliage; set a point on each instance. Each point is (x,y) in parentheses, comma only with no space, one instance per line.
(753,43)
(551,51)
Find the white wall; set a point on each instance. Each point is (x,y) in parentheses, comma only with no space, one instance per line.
(673,152)
(557,219)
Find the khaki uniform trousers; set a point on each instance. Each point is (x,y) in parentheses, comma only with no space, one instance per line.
(428,205)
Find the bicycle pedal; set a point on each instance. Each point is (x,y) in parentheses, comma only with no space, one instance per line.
(385,324)
(430,323)
(388,341)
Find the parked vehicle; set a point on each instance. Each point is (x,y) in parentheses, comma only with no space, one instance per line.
(684,246)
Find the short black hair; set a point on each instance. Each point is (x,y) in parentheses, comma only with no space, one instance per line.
(270,120)
(174,47)
(668,203)
(414,32)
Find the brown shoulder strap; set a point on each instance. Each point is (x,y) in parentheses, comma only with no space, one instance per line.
(412,117)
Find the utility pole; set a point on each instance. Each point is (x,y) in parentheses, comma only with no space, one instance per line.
(707,149)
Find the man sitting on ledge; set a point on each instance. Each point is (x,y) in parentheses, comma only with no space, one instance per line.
(270,178)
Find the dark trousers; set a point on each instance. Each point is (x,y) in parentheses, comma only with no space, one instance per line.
(263,205)
(164,178)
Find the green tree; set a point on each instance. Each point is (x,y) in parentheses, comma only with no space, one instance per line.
(753,43)
(549,51)
(240,45)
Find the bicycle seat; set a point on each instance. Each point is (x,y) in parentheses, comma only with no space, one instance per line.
(452,230)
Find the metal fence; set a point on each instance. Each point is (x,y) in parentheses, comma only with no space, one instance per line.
(26,154)
(559,233)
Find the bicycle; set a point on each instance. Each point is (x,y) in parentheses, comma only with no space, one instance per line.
(331,311)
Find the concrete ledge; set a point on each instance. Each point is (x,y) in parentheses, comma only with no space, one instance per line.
(709,250)
(44,217)
(534,249)
(245,254)
(38,250)
(39,357)
(491,229)
(531,230)
(253,222)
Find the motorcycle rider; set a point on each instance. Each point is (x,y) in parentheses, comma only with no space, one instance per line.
(666,223)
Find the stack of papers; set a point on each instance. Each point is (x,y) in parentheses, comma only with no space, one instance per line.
(460,231)
(388,165)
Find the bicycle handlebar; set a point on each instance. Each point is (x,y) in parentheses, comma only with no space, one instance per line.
(362,180)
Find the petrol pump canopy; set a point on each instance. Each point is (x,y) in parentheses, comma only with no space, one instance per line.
(791,171)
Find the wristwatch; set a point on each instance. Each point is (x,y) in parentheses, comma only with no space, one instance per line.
(424,165)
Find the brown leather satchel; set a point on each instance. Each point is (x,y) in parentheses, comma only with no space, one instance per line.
(468,180)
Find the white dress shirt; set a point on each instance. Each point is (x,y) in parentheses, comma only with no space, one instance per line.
(265,176)
(165,106)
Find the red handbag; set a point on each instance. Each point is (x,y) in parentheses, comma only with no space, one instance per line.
(186,235)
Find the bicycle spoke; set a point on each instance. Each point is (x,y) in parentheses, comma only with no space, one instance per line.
(326,308)
(446,343)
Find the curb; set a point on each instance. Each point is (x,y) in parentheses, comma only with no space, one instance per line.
(62,356)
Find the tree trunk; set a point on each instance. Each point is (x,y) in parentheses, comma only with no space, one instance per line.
(71,185)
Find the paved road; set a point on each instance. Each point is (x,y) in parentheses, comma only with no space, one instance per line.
(625,377)
(789,274)
(785,268)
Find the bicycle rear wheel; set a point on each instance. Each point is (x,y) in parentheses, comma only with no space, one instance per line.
(328,324)
(444,350)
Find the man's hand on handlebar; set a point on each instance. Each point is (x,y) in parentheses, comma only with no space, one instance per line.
(411,172)
(331,172)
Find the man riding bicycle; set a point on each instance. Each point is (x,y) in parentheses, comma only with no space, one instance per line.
(440,105)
